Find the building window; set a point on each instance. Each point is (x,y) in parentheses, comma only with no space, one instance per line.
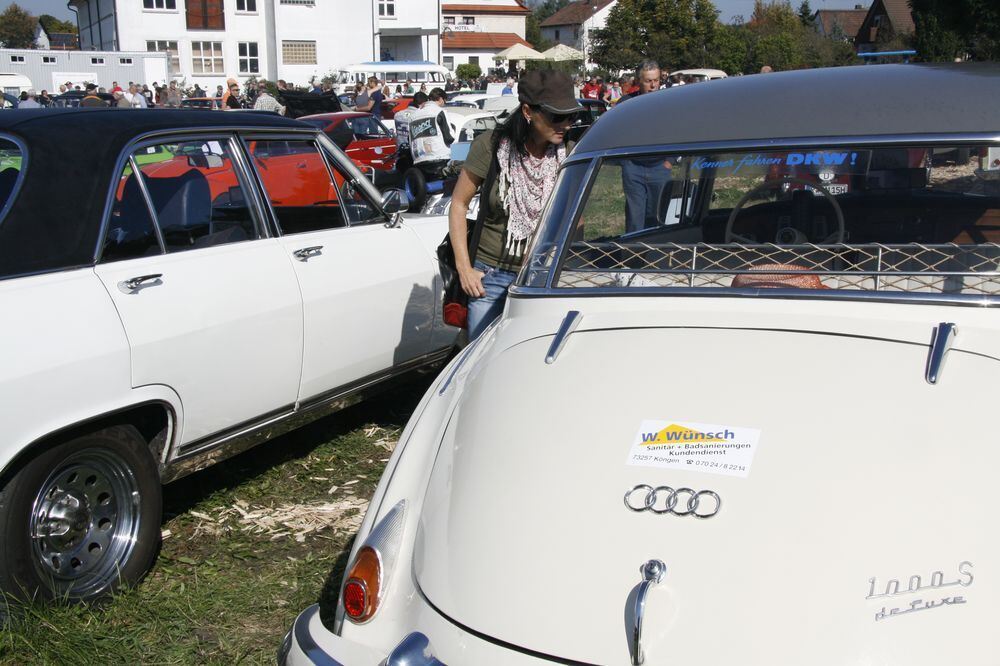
(449,20)
(473,60)
(159,4)
(249,62)
(468,20)
(386,8)
(249,6)
(449,62)
(298,52)
(205,15)
(557,35)
(97,61)
(49,60)
(124,61)
(170,48)
(206,58)
(16,58)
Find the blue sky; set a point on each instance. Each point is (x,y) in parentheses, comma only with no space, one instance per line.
(727,8)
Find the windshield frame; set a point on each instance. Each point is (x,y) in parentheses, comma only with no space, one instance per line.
(569,216)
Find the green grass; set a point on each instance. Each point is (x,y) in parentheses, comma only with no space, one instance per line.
(220,594)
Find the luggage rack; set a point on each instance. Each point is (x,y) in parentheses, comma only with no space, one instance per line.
(912,267)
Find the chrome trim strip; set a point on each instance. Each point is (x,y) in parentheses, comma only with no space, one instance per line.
(566,328)
(944,336)
(203,453)
(25,160)
(790,142)
(414,650)
(576,208)
(148,198)
(653,572)
(305,641)
(780,294)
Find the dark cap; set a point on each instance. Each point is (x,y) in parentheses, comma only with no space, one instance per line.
(550,89)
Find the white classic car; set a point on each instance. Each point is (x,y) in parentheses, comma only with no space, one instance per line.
(178,286)
(732,414)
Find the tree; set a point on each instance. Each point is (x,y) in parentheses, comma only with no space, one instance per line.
(949,29)
(17,28)
(52,24)
(675,33)
(467,71)
(806,14)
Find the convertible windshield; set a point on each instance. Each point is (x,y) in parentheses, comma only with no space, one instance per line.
(901,218)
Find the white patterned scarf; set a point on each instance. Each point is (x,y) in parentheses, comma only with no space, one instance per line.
(525,183)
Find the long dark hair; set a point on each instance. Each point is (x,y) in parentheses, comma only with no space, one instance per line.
(516,129)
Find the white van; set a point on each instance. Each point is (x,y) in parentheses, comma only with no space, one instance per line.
(392,73)
(14,84)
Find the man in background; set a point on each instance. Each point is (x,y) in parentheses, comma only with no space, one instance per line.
(29,101)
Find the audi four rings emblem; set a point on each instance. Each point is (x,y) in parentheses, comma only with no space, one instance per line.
(664,499)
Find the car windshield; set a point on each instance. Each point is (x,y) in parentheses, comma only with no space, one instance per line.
(11,160)
(901,218)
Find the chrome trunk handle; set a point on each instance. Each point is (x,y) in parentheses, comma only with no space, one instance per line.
(653,572)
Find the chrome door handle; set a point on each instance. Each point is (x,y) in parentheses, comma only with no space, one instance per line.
(307,253)
(134,284)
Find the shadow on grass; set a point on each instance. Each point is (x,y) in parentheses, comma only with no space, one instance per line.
(390,409)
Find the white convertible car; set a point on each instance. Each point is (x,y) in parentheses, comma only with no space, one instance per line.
(178,286)
(738,410)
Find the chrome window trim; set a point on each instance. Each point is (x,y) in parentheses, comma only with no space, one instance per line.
(160,135)
(902,297)
(150,208)
(25,159)
(246,137)
(342,162)
(587,184)
(790,142)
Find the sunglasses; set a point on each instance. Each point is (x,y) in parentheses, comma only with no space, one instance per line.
(556,118)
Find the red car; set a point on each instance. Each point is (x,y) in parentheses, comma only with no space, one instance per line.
(372,147)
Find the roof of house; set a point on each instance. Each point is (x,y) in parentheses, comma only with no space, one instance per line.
(487,41)
(518,9)
(576,13)
(849,20)
(900,15)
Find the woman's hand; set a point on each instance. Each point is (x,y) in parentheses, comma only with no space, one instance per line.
(472,282)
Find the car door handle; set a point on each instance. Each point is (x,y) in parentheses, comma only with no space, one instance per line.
(306,253)
(133,285)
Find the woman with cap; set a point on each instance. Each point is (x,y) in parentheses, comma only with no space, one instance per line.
(515,167)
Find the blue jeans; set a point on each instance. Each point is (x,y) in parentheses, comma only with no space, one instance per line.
(643,179)
(482,311)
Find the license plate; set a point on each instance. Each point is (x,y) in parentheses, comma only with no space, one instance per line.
(834,188)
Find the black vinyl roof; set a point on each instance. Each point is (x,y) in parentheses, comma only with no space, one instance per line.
(71,155)
(866,100)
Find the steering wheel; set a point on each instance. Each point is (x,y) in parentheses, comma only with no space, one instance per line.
(797,235)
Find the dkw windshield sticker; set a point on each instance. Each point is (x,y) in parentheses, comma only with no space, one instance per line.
(930,591)
(696,447)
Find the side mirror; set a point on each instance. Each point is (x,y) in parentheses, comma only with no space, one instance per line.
(395,201)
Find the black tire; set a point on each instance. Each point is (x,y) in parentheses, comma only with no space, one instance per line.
(81,518)
(415,185)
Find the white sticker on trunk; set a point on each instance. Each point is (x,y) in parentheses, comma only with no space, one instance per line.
(695,447)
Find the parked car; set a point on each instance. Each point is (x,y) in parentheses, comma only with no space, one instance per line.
(585,117)
(72,99)
(371,146)
(204,103)
(652,456)
(222,278)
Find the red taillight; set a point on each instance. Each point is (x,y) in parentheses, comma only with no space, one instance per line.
(361,591)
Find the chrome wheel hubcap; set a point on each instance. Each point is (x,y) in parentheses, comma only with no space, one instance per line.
(84,522)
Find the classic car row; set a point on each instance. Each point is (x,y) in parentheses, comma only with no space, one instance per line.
(195,284)
(732,414)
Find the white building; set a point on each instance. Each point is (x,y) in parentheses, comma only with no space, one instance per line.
(474,33)
(209,41)
(573,24)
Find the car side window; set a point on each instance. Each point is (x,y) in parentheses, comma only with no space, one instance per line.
(130,233)
(197,194)
(299,186)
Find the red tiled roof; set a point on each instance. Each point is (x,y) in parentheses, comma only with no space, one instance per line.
(900,15)
(485,9)
(486,41)
(849,20)
(576,13)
